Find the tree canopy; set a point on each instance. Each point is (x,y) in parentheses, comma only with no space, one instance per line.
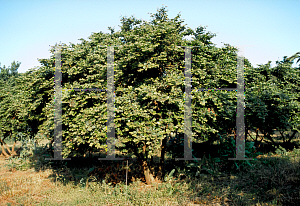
(149,84)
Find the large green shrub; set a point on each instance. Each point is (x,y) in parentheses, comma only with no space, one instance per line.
(149,90)
(149,82)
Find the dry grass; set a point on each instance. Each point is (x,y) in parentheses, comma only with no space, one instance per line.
(274,179)
(40,188)
(23,187)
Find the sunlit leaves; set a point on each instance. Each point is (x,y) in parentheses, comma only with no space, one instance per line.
(149,89)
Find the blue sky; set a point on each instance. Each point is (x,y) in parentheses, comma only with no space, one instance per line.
(29,28)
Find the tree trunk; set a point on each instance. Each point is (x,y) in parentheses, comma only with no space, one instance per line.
(13,149)
(5,146)
(293,135)
(147,172)
(3,151)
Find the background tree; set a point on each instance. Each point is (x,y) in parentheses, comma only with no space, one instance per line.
(272,99)
(11,71)
(9,117)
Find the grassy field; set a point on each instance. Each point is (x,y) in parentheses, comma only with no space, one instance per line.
(273,179)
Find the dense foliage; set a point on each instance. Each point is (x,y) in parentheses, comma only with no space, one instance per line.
(272,99)
(149,91)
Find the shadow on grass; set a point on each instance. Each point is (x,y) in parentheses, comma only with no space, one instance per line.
(273,179)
